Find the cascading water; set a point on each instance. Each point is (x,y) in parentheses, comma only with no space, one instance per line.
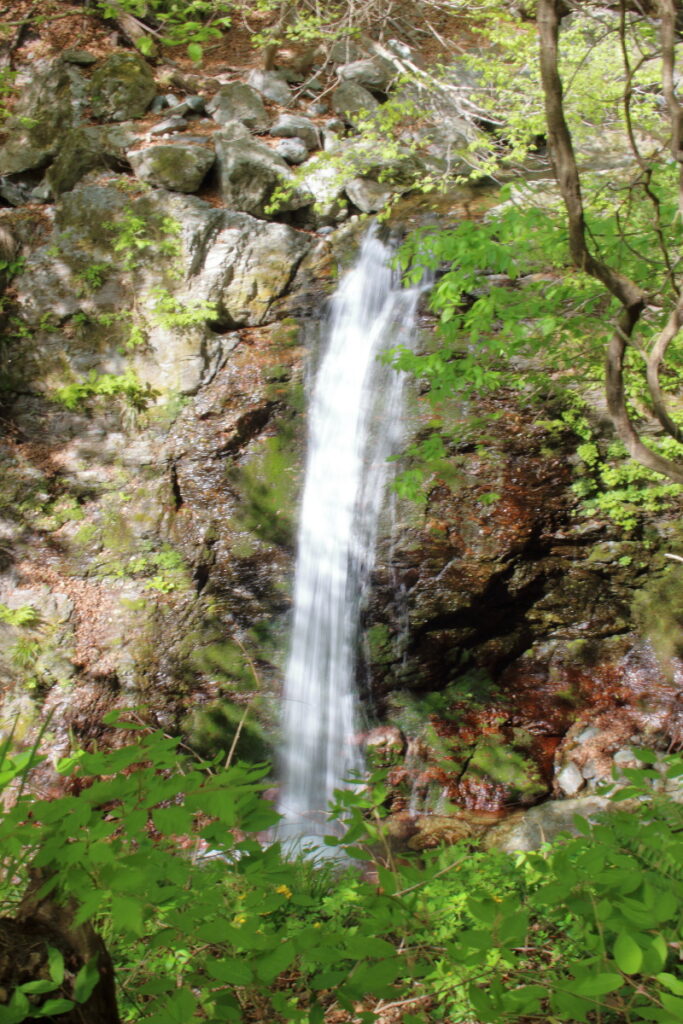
(354,426)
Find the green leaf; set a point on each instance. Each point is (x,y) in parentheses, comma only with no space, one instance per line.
(179,1009)
(38,987)
(14,1014)
(230,971)
(269,966)
(86,980)
(599,985)
(55,965)
(195,53)
(628,954)
(377,977)
(671,982)
(172,820)
(658,954)
(327,979)
(476,939)
(673,1005)
(157,986)
(51,1007)
(126,915)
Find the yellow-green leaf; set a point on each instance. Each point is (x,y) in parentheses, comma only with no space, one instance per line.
(627,954)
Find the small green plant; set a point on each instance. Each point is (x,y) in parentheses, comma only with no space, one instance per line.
(203,922)
(126,386)
(25,615)
(93,276)
(170,311)
(134,236)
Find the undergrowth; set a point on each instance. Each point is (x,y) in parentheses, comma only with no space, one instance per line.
(206,923)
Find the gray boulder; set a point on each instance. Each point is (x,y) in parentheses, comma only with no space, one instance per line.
(294,151)
(239,264)
(529,830)
(272,86)
(84,149)
(178,167)
(344,50)
(79,57)
(248,175)
(291,126)
(169,126)
(50,103)
(372,73)
(122,87)
(368,195)
(248,265)
(350,99)
(238,102)
(325,184)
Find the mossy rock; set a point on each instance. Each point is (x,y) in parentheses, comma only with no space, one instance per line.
(658,612)
(181,168)
(122,87)
(379,645)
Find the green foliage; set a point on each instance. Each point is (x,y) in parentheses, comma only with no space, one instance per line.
(25,615)
(588,926)
(135,237)
(512,316)
(188,23)
(126,386)
(93,276)
(170,311)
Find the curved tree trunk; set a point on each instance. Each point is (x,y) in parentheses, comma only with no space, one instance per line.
(24,942)
(632,298)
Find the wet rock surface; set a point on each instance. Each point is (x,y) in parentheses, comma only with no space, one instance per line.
(496,635)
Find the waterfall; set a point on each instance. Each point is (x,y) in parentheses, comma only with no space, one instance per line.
(355,424)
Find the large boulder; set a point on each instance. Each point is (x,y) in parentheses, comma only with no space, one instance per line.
(249,265)
(248,175)
(122,87)
(326,185)
(272,86)
(50,102)
(294,151)
(350,99)
(86,148)
(163,306)
(529,830)
(238,102)
(178,167)
(373,73)
(368,195)
(292,126)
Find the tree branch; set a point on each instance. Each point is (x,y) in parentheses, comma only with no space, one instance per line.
(632,298)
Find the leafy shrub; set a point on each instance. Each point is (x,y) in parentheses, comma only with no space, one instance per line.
(204,923)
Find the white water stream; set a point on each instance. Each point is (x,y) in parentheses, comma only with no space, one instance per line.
(355,424)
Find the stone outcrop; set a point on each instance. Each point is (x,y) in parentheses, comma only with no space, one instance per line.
(238,102)
(248,175)
(50,103)
(181,168)
(122,87)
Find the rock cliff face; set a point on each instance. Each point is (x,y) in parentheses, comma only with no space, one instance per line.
(158,321)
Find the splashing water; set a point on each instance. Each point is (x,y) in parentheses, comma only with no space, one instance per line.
(355,425)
